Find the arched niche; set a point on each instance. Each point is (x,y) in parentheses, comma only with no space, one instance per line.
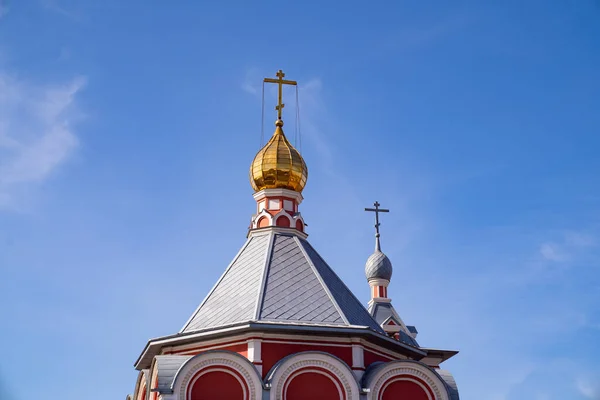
(312,374)
(404,378)
(217,374)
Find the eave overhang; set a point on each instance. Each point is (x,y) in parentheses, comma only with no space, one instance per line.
(442,355)
(154,346)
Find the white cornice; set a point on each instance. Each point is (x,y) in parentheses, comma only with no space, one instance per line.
(276,229)
(278,193)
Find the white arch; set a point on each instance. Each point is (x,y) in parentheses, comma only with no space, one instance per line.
(408,379)
(224,370)
(386,373)
(279,214)
(314,371)
(142,381)
(214,360)
(282,372)
(296,218)
(265,214)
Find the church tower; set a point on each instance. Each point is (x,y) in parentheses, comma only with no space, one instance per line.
(279,324)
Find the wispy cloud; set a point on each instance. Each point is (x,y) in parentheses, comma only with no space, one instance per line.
(252,82)
(36,132)
(588,389)
(68,12)
(3,8)
(566,248)
(552,252)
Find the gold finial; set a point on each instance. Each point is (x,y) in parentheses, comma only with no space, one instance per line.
(280,81)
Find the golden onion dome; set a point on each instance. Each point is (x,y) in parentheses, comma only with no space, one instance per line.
(278,165)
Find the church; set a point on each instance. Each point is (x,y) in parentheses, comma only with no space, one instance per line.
(279,324)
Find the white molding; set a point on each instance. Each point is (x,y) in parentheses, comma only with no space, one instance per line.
(340,390)
(377,382)
(404,378)
(313,359)
(378,282)
(358,356)
(358,361)
(214,360)
(225,370)
(255,350)
(289,339)
(257,217)
(280,213)
(278,193)
(277,229)
(379,300)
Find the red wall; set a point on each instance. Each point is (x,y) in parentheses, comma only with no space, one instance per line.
(217,385)
(312,386)
(370,358)
(238,348)
(273,352)
(404,390)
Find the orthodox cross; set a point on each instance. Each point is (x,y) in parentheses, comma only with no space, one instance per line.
(377,210)
(280,81)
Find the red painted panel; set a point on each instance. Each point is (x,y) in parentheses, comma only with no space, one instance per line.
(263,222)
(299,226)
(217,385)
(313,386)
(404,390)
(370,358)
(238,348)
(142,393)
(273,352)
(283,221)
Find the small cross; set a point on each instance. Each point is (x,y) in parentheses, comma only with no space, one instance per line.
(377,210)
(280,82)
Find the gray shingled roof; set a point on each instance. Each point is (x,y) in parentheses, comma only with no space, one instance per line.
(279,277)
(450,383)
(167,367)
(381,312)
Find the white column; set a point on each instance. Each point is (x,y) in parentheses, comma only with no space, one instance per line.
(358,360)
(254,353)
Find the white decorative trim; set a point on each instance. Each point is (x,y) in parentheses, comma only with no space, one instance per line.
(313,359)
(378,282)
(257,217)
(279,214)
(408,379)
(358,356)
(277,229)
(214,360)
(224,370)
(378,381)
(379,300)
(314,371)
(255,350)
(278,193)
(298,217)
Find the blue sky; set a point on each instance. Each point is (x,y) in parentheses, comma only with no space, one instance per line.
(126,133)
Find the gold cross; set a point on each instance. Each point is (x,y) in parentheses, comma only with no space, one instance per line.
(280,82)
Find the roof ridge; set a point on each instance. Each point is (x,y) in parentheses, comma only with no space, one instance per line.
(322,282)
(267,267)
(340,280)
(217,283)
